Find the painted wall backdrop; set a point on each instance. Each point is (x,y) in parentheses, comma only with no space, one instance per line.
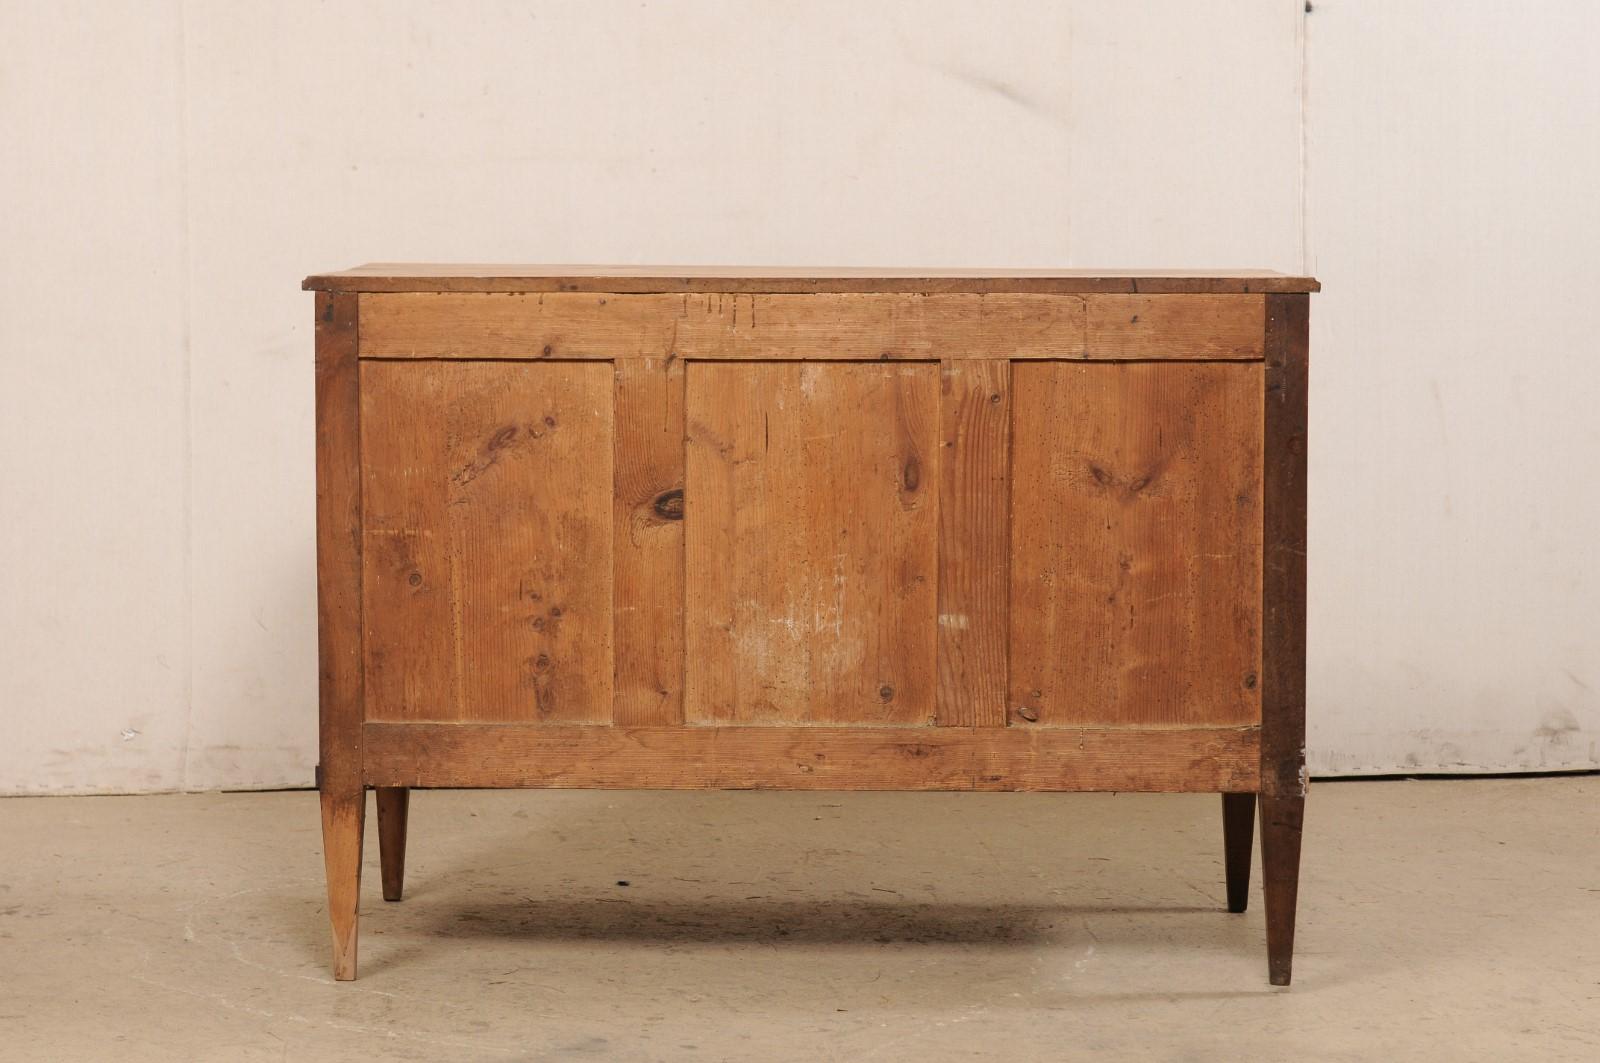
(174,168)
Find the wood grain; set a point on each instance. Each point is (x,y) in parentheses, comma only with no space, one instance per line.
(854,327)
(1222,327)
(812,526)
(436,277)
(1136,544)
(338,542)
(648,538)
(344,816)
(339,656)
(813,758)
(488,518)
(974,542)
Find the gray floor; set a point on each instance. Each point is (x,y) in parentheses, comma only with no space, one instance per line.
(1438,920)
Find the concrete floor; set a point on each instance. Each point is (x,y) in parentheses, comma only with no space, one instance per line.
(1438,920)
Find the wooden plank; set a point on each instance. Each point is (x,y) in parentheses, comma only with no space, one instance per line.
(411,564)
(811,542)
(1283,671)
(1136,543)
(1223,327)
(974,542)
(433,277)
(834,327)
(488,519)
(813,758)
(339,656)
(648,538)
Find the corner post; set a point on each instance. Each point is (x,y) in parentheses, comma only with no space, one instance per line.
(1283,648)
(339,653)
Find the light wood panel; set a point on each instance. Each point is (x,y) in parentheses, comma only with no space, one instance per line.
(812,523)
(814,758)
(648,538)
(1136,544)
(439,277)
(565,325)
(488,518)
(974,543)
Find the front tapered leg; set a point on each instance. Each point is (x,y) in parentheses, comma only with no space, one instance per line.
(1238,833)
(394,803)
(344,813)
(1281,818)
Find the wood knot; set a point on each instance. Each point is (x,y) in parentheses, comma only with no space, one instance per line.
(886,692)
(668,505)
(911,475)
(1029,713)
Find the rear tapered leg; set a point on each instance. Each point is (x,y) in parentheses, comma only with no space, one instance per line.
(1238,833)
(1281,819)
(394,803)
(344,815)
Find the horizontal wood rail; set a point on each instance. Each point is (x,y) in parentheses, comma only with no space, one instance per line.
(1169,759)
(848,327)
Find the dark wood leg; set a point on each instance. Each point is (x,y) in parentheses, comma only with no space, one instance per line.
(394,802)
(1238,833)
(344,814)
(1281,817)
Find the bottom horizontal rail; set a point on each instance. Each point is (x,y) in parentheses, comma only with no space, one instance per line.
(1159,759)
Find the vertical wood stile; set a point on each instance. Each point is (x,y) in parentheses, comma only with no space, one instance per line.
(974,542)
(339,617)
(1283,666)
(649,513)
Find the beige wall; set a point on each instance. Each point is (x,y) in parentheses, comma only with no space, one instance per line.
(173,169)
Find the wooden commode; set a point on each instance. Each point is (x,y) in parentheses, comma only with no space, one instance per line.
(824,530)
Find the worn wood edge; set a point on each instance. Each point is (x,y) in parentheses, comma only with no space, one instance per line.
(338,523)
(423,277)
(1153,759)
(1283,615)
(818,326)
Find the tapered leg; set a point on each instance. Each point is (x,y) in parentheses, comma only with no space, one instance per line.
(394,803)
(344,814)
(1281,817)
(1238,832)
